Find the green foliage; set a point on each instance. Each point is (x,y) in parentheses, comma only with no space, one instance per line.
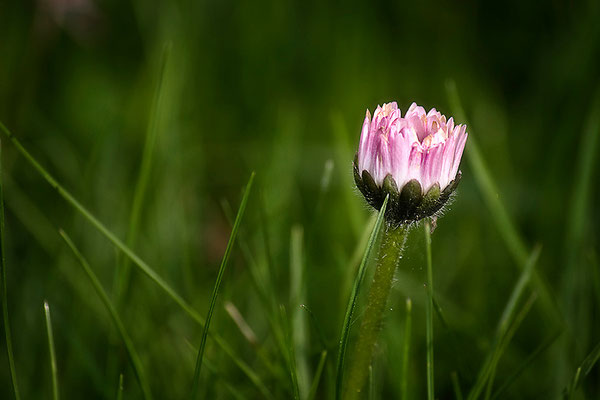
(130,124)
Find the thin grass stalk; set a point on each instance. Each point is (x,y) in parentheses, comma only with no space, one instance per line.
(576,285)
(456,386)
(317,378)
(216,288)
(53,368)
(371,389)
(120,388)
(213,369)
(124,268)
(429,311)
(291,353)
(505,341)
(315,324)
(352,302)
(298,316)
(3,288)
(117,321)
(584,369)
(263,286)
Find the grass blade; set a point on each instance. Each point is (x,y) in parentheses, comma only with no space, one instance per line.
(291,354)
(370,385)
(120,388)
(235,393)
(513,377)
(262,282)
(406,350)
(131,352)
(429,311)
(124,268)
(505,341)
(582,371)
(3,288)
(517,292)
(315,383)
(456,386)
(298,317)
(583,175)
(352,302)
(487,186)
(315,324)
(52,352)
(576,285)
(141,264)
(213,299)
(241,323)
(503,323)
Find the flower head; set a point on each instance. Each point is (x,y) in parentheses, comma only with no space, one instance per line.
(414,159)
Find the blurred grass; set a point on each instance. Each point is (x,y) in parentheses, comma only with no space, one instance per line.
(215,292)
(4,294)
(53,366)
(281,88)
(116,319)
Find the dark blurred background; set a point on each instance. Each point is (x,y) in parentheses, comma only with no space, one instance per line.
(281,88)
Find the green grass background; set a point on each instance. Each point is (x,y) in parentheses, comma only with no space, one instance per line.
(154,114)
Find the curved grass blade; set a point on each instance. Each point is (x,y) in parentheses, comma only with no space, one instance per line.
(218,375)
(213,299)
(456,386)
(7,335)
(429,311)
(503,324)
(505,341)
(131,352)
(138,262)
(52,352)
(124,268)
(576,284)
(352,301)
(487,186)
(530,359)
(316,325)
(262,283)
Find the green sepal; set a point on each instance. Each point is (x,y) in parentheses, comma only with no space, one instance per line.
(450,188)
(358,180)
(431,202)
(410,197)
(389,186)
(373,193)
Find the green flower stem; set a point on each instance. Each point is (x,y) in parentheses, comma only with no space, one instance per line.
(429,312)
(390,252)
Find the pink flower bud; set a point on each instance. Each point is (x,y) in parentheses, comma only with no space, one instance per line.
(414,158)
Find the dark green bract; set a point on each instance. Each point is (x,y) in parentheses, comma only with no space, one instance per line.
(408,204)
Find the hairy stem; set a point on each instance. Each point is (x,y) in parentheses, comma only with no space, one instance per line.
(390,252)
